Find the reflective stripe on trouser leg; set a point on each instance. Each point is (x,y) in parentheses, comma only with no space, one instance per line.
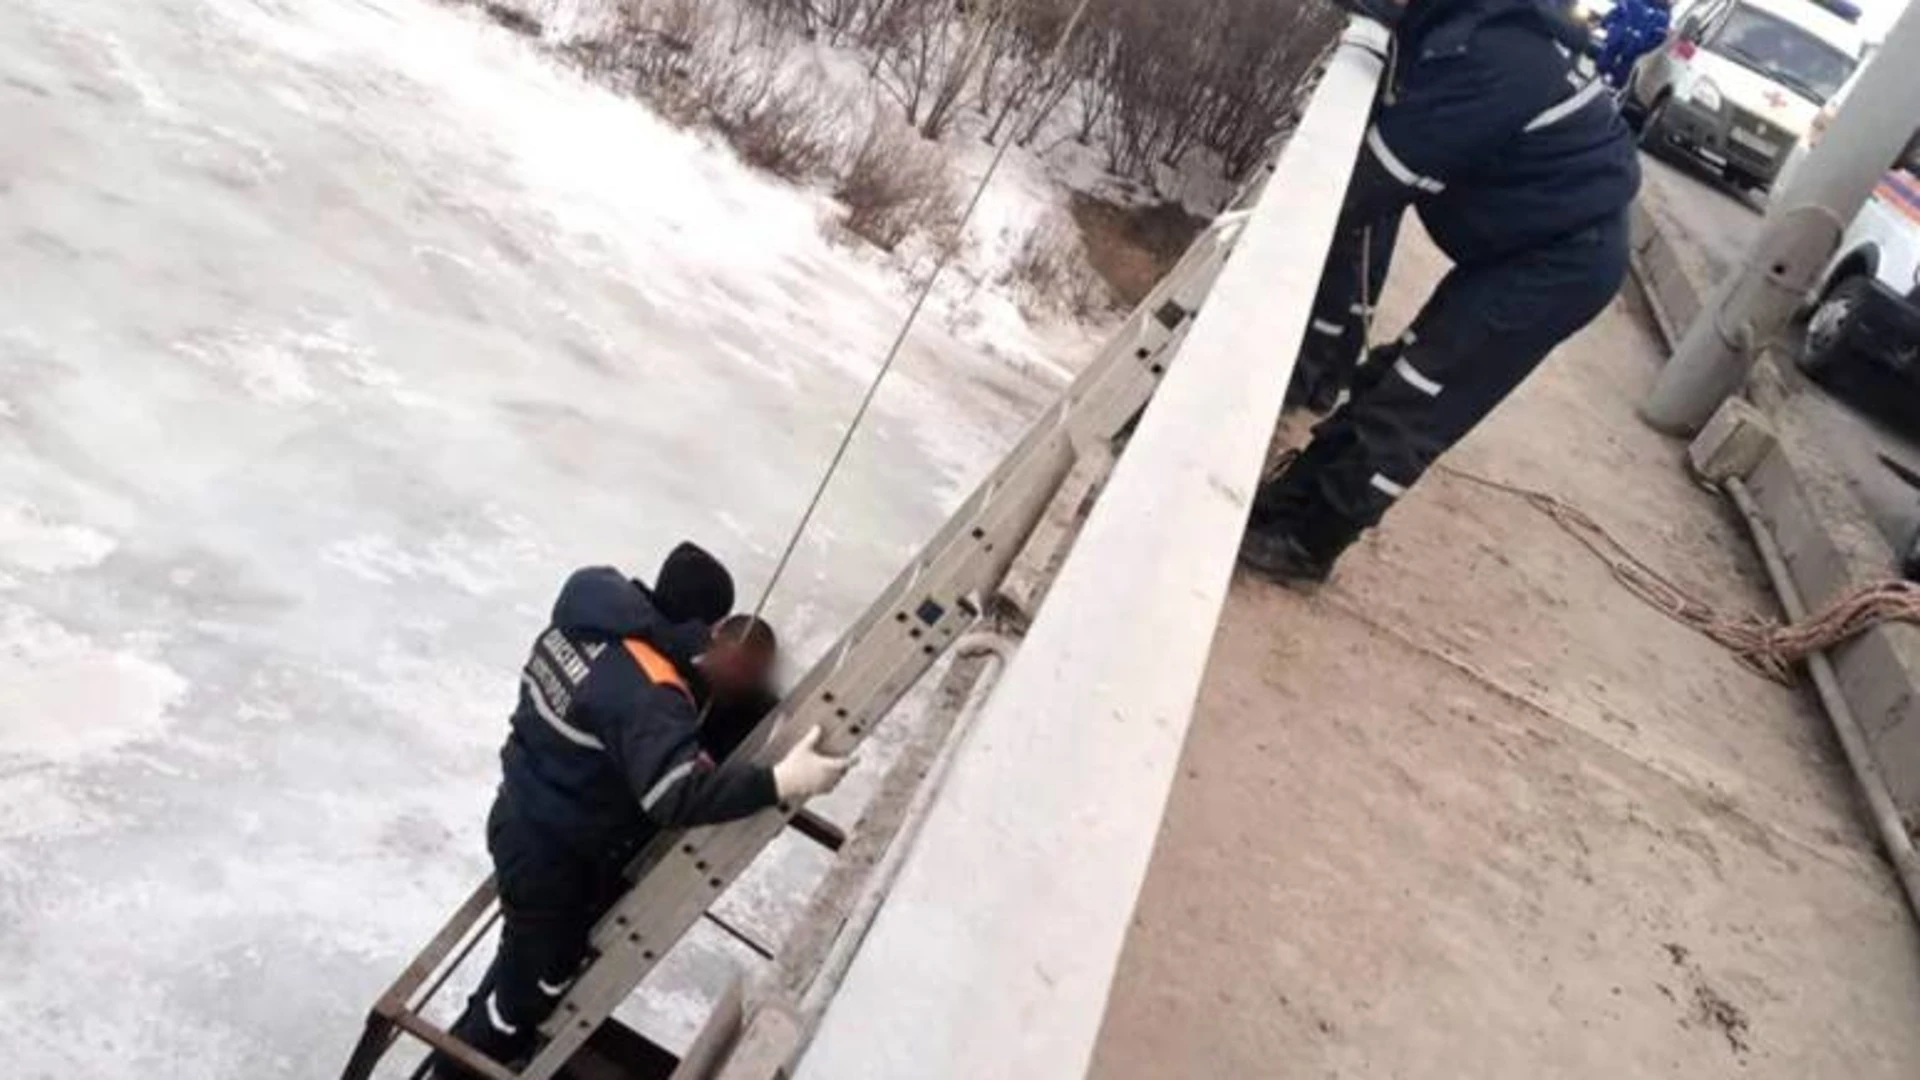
(550,898)
(498,1021)
(1391,489)
(1415,378)
(1482,333)
(1336,339)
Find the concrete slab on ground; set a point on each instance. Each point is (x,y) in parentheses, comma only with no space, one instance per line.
(1476,811)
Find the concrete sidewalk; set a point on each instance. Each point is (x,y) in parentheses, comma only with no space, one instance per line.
(1476,812)
(1689,232)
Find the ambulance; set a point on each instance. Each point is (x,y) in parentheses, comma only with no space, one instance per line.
(1739,82)
(1865,316)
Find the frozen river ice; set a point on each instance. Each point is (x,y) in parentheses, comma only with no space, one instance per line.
(333,333)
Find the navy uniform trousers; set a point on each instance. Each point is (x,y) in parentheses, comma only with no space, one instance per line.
(1481,334)
(550,898)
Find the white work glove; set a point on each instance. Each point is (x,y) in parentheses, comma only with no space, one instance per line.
(805,772)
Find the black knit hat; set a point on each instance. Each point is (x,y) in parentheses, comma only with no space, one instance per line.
(693,587)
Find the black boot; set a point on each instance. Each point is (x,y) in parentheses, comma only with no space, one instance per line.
(1316,387)
(1316,393)
(1280,557)
(1301,538)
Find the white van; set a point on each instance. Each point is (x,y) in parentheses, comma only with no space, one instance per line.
(1821,120)
(1740,81)
(1865,318)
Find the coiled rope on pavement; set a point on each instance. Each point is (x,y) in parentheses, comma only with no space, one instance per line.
(1770,647)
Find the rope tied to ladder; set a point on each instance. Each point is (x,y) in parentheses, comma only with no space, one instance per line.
(1768,646)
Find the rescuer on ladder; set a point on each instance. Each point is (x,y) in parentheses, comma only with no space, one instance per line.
(604,752)
(1495,129)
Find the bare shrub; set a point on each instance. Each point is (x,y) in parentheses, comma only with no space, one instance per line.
(783,127)
(700,87)
(683,26)
(512,18)
(651,49)
(893,183)
(1053,274)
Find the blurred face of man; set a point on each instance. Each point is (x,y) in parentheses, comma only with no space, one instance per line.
(739,664)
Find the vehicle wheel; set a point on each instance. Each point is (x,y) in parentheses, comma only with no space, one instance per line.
(1825,349)
(1653,129)
(1630,109)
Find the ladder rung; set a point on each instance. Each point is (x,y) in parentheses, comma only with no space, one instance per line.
(819,830)
(753,944)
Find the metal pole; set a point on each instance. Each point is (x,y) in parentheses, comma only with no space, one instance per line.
(1798,238)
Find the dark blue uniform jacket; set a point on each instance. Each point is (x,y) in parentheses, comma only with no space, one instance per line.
(605,748)
(1496,129)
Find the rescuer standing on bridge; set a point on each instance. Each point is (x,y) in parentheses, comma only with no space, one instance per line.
(1496,130)
(1634,29)
(605,751)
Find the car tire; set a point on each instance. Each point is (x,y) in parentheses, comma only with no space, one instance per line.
(1653,129)
(1825,350)
(1630,108)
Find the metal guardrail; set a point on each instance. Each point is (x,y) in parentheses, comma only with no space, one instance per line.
(996,950)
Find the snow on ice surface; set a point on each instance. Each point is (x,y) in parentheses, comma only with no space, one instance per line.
(335,333)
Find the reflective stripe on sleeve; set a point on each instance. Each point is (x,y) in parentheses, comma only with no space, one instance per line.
(666,783)
(1580,99)
(1397,168)
(1331,329)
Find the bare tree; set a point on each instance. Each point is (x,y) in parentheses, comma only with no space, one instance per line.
(1166,79)
(930,51)
(1017,75)
(893,182)
(1152,81)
